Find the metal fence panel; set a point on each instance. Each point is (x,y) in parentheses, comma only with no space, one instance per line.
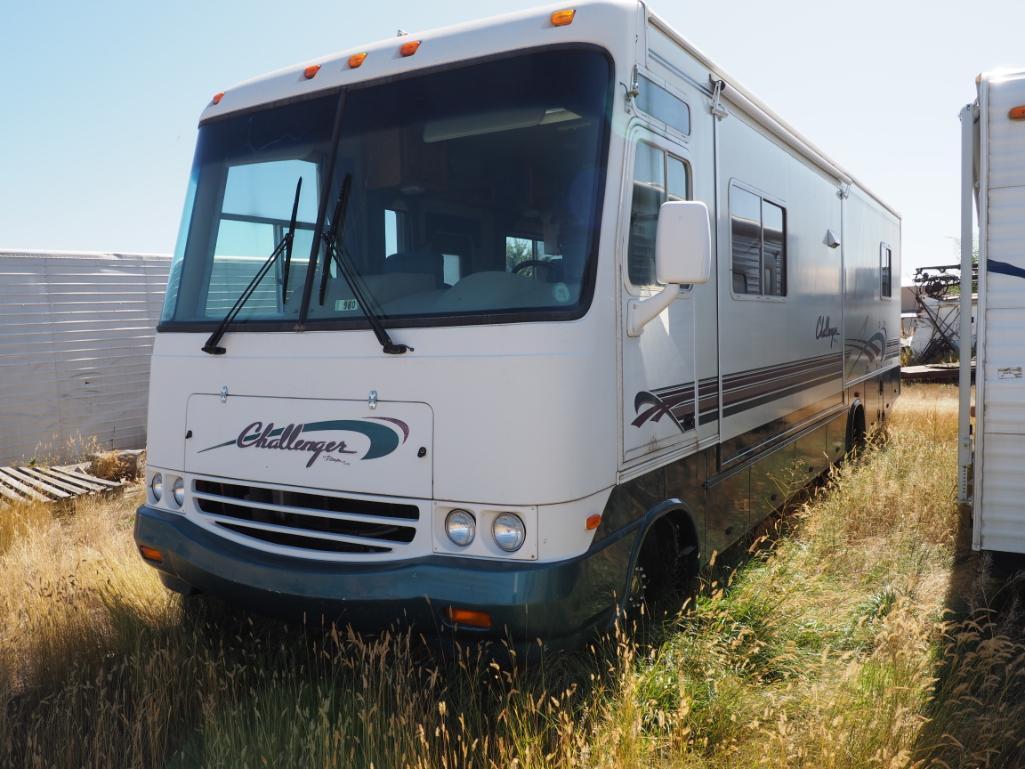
(76,332)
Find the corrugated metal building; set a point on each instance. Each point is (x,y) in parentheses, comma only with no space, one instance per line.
(76,331)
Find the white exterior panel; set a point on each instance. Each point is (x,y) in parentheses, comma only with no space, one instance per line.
(1000,426)
(76,333)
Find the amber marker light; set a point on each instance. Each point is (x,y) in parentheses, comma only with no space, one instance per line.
(593,522)
(1017,113)
(311,71)
(563,18)
(408,49)
(151,554)
(218,96)
(357,59)
(468,617)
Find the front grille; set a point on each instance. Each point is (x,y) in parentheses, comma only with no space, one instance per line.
(296,540)
(305,520)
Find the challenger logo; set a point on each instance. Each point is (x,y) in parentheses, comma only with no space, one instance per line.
(385,435)
(825,330)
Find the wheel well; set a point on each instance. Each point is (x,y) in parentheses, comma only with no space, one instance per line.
(675,527)
(856,430)
(684,533)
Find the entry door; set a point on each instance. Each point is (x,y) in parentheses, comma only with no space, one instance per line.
(661,407)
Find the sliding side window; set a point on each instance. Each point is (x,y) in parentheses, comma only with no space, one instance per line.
(758,229)
(885,271)
(658,177)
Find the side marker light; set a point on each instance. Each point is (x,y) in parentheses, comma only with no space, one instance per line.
(563,18)
(468,617)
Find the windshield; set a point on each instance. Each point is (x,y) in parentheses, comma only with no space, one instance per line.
(474,195)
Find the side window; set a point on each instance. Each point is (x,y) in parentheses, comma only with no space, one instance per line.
(658,177)
(885,271)
(662,105)
(758,230)
(774,278)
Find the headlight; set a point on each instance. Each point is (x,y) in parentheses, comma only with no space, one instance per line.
(460,527)
(178,491)
(509,532)
(156,486)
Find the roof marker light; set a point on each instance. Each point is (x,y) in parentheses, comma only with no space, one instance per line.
(563,18)
(311,71)
(408,49)
(1017,113)
(356,59)
(218,96)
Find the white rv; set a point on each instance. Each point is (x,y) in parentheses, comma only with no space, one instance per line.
(991,475)
(470,327)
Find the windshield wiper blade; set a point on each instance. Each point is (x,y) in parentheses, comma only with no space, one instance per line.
(332,240)
(284,245)
(288,247)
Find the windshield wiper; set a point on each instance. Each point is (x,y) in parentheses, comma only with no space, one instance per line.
(284,245)
(332,240)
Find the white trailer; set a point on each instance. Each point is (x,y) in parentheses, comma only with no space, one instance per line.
(535,305)
(991,476)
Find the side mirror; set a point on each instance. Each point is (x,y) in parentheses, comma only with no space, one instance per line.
(683,243)
(683,256)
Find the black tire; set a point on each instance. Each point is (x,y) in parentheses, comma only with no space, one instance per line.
(857,435)
(665,573)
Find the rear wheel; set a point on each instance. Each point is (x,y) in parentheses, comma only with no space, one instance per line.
(856,432)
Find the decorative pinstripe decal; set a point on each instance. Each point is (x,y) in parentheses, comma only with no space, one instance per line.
(676,401)
(742,390)
(872,349)
(708,400)
(892,348)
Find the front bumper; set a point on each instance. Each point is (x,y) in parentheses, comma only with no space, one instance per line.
(560,603)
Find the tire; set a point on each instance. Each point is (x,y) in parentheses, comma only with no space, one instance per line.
(665,573)
(856,433)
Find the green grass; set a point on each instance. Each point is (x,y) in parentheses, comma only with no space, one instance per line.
(834,645)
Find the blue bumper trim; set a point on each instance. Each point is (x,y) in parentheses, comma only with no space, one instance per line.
(558,602)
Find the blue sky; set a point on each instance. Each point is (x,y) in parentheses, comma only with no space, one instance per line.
(101,99)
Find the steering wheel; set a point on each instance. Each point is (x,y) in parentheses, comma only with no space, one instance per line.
(535,263)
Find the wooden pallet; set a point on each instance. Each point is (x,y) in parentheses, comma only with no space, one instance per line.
(48,484)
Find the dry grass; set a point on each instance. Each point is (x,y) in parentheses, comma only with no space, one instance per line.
(831,647)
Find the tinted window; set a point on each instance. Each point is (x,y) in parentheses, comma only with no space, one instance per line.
(773,250)
(746,223)
(885,271)
(245,175)
(662,105)
(758,234)
(648,195)
(451,186)
(658,177)
(498,187)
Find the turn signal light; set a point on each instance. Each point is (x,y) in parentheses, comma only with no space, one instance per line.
(593,521)
(1017,113)
(311,71)
(408,49)
(218,96)
(563,18)
(356,59)
(151,554)
(468,617)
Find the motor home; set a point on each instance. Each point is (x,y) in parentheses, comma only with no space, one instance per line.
(472,328)
(992,456)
